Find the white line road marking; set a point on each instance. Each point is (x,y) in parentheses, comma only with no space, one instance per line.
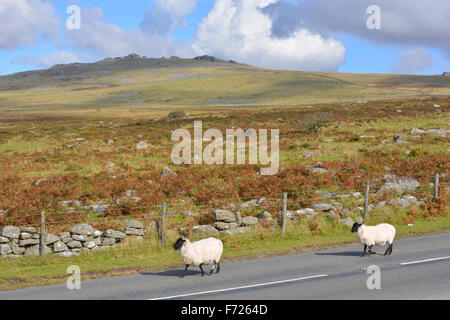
(243,287)
(424,261)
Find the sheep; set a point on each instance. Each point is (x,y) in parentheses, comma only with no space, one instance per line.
(378,235)
(198,253)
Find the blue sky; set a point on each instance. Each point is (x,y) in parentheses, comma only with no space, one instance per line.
(302,35)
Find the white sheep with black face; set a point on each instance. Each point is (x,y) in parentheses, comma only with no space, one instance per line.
(199,253)
(379,235)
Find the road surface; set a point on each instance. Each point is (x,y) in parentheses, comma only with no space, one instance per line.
(419,268)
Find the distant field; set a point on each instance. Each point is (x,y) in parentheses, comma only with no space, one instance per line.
(198,87)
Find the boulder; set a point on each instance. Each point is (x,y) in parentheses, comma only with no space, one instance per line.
(113,234)
(225,216)
(82,229)
(398,185)
(50,238)
(207,230)
(323,207)
(60,246)
(107,241)
(142,145)
(74,244)
(249,221)
(265,217)
(16,249)
(31,230)
(5,249)
(28,242)
(232,232)
(134,224)
(82,238)
(11,232)
(166,172)
(34,250)
(225,226)
(134,232)
(4,240)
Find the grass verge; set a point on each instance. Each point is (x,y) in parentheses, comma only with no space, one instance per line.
(148,256)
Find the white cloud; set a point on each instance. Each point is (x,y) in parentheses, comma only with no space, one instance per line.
(49,59)
(413,60)
(239,30)
(103,39)
(22,21)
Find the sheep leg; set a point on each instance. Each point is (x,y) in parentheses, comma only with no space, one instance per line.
(184,273)
(212,269)
(201,268)
(389,250)
(370,250)
(364,252)
(218,267)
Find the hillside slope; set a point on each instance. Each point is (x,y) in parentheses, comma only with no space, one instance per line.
(139,85)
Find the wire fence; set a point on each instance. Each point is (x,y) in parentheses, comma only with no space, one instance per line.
(108,217)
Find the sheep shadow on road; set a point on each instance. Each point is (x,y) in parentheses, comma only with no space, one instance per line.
(172,273)
(342,253)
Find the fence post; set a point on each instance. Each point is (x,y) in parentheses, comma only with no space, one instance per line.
(436,187)
(283,213)
(366,200)
(163,224)
(42,237)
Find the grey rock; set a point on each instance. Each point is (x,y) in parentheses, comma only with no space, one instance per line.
(97,233)
(188,213)
(380,205)
(113,234)
(82,229)
(249,221)
(60,246)
(82,238)
(232,232)
(11,232)
(238,217)
(134,232)
(34,250)
(166,172)
(31,230)
(5,249)
(398,185)
(27,242)
(25,235)
(252,203)
(74,244)
(359,220)
(205,230)
(347,221)
(411,199)
(142,145)
(399,202)
(225,226)
(67,240)
(66,254)
(224,216)
(64,235)
(4,240)
(108,241)
(308,212)
(50,238)
(90,244)
(317,170)
(265,216)
(323,207)
(134,224)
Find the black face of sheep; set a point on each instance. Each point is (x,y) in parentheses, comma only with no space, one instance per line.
(178,244)
(356,227)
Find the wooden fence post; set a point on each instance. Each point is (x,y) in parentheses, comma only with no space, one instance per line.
(366,200)
(283,213)
(163,224)
(42,237)
(436,187)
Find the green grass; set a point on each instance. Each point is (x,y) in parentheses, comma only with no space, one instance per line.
(148,255)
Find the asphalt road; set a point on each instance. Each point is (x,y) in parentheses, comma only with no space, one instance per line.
(419,268)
